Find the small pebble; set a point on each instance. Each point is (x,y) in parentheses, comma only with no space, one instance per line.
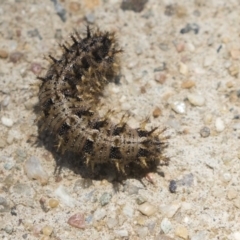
(191,47)
(9,165)
(166,225)
(208,118)
(205,132)
(150,177)
(226,177)
(112,222)
(3,53)
(179,107)
(15,56)
(13,135)
(199,235)
(34,33)
(74,6)
(160,77)
(5,101)
(3,143)
(162,237)
(233,70)
(157,112)
(229,84)
(131,189)
(235,54)
(172,186)
(190,27)
(170,10)
(182,232)
(219,124)
(162,66)
(170,210)
(180,47)
(47,230)
(232,194)
(164,46)
(34,170)
(60,10)
(133,5)
(183,68)
(77,220)
(132,64)
(91,4)
(128,210)
(105,198)
(64,196)
(36,68)
(43,204)
(8,122)
(196,100)
(236,203)
(90,17)
(31,103)
(142,232)
(3,202)
(188,84)
(147,209)
(187,180)
(121,233)
(53,203)
(99,214)
(82,184)
(140,200)
(181,11)
(8,229)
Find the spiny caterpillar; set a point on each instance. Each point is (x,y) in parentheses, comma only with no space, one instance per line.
(69,96)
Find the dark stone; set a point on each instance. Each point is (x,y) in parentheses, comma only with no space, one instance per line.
(61,12)
(34,33)
(170,10)
(190,27)
(133,5)
(173,186)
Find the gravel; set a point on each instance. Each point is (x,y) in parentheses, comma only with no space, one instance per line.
(180,70)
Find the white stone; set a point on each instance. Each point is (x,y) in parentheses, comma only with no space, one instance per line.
(191,47)
(196,100)
(8,122)
(34,170)
(219,124)
(132,64)
(183,68)
(170,210)
(147,209)
(99,214)
(6,101)
(122,233)
(142,232)
(128,210)
(208,118)
(226,177)
(179,107)
(64,196)
(112,222)
(166,225)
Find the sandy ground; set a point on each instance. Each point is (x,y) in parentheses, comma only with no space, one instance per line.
(180,67)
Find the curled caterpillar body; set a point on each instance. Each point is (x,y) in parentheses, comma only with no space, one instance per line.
(68,97)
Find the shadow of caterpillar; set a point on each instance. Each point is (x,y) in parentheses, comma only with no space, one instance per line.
(68,97)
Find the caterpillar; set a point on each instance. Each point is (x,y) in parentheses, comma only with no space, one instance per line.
(68,98)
